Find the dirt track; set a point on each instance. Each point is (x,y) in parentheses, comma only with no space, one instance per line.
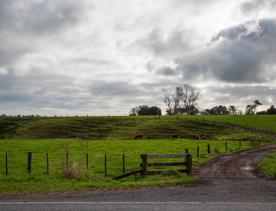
(225,179)
(237,165)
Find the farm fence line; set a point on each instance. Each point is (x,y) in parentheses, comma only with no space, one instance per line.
(112,164)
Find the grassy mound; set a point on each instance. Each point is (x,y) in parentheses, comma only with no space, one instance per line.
(106,128)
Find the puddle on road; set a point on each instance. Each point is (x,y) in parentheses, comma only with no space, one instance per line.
(246,168)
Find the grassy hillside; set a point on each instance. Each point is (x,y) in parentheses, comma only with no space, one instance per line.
(19,181)
(155,127)
(105,128)
(264,122)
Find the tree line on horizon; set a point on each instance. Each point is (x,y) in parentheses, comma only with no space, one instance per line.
(184,101)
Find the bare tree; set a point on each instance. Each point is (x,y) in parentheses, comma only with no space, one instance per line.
(182,101)
(256,104)
(251,109)
(177,97)
(233,109)
(133,111)
(169,100)
(190,96)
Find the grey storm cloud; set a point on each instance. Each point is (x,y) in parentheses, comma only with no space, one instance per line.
(166,71)
(127,93)
(237,54)
(41,16)
(36,89)
(23,21)
(8,56)
(115,89)
(58,91)
(33,79)
(243,94)
(232,33)
(39,90)
(174,43)
(257,5)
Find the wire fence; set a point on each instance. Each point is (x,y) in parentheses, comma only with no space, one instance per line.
(90,164)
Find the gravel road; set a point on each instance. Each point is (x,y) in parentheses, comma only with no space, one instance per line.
(172,206)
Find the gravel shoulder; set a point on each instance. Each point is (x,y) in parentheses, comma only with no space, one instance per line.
(229,178)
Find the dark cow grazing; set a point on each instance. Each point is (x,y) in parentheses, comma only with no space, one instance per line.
(139,137)
(174,136)
(195,136)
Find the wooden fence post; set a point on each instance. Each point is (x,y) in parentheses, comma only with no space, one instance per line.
(189,164)
(7,167)
(105,166)
(29,162)
(86,161)
(197,151)
(67,161)
(144,164)
(47,163)
(124,170)
(208,149)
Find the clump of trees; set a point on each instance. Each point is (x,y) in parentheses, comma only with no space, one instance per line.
(251,109)
(217,110)
(142,110)
(233,110)
(182,101)
(221,110)
(270,110)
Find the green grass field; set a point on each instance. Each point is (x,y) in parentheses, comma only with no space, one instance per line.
(104,127)
(19,181)
(112,136)
(264,122)
(268,166)
(155,127)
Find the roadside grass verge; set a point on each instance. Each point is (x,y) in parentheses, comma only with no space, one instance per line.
(48,185)
(19,181)
(268,166)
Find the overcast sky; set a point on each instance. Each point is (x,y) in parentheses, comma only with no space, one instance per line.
(101,57)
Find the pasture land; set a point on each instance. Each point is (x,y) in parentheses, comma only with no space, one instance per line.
(78,177)
(153,127)
(268,166)
(263,122)
(113,137)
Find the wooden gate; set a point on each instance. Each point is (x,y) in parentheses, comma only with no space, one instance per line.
(148,167)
